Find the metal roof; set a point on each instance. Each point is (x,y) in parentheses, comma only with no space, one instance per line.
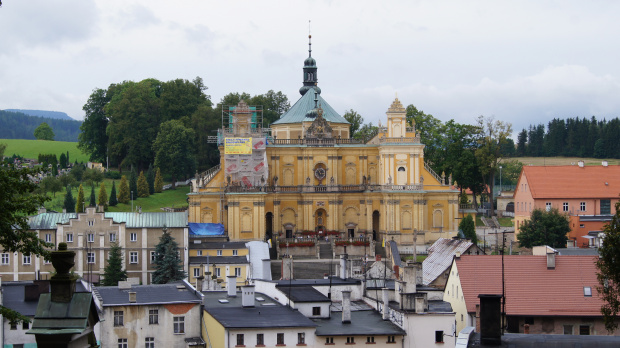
(297,112)
(363,323)
(176,292)
(54,318)
(267,314)
(216,245)
(219,260)
(48,221)
(302,294)
(440,257)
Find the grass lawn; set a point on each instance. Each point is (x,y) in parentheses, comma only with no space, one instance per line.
(169,198)
(32,148)
(503,221)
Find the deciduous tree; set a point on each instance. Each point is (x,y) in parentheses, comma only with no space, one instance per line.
(356,120)
(114,272)
(608,273)
(544,228)
(133,185)
(44,132)
(168,263)
(93,138)
(468,226)
(174,150)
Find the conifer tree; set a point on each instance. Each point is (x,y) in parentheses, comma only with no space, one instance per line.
(123,190)
(143,186)
(159,181)
(150,178)
(93,200)
(133,184)
(68,161)
(113,201)
(69,203)
(79,202)
(102,200)
(114,272)
(168,263)
(468,226)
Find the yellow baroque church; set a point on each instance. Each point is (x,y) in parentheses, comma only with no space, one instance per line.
(306,175)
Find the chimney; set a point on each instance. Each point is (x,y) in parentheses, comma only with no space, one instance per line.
(420,302)
(64,210)
(247,296)
(38,287)
(42,210)
(231,285)
(343,266)
(346,306)
(199,282)
(490,319)
(266,269)
(132,297)
(386,302)
(409,277)
(63,283)
(124,284)
(551,260)
(287,268)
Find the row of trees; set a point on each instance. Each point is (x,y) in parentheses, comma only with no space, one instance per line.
(573,137)
(175,119)
(17,125)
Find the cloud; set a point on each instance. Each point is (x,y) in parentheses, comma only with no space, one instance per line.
(49,24)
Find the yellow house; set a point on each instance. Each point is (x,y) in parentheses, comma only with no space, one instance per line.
(306,174)
(217,259)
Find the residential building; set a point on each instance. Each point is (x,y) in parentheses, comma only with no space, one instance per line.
(578,190)
(436,266)
(550,294)
(22,297)
(306,174)
(91,235)
(155,315)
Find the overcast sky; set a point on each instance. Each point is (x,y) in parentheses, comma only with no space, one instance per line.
(524,62)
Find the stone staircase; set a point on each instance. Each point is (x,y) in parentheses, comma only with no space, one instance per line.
(325,250)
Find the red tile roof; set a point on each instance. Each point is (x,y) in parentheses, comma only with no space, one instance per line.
(573,181)
(531,288)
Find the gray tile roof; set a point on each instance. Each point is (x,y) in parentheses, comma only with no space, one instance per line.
(266,314)
(177,292)
(302,293)
(13,296)
(363,323)
(315,282)
(218,260)
(215,245)
(297,112)
(48,221)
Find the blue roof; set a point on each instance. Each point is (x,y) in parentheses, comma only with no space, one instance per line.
(297,113)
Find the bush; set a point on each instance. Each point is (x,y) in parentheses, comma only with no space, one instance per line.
(112,174)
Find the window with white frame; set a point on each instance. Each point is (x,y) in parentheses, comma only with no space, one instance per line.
(5,258)
(280,339)
(91,257)
(27,259)
(48,237)
(118,318)
(218,273)
(153,316)
(260,339)
(179,325)
(122,343)
(196,272)
(351,340)
(112,237)
(69,237)
(133,237)
(91,237)
(133,257)
(91,223)
(153,256)
(149,342)
(582,206)
(240,340)
(235,252)
(548,206)
(219,253)
(237,271)
(565,206)
(301,338)
(198,252)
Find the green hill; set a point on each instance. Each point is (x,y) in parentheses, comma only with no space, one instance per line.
(32,148)
(17,125)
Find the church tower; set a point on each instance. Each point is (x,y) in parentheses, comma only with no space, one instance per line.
(396,120)
(310,72)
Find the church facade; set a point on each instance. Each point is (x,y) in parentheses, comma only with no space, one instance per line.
(306,175)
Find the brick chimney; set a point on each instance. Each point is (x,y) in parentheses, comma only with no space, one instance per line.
(63,283)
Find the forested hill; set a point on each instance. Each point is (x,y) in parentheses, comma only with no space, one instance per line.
(44,113)
(16,125)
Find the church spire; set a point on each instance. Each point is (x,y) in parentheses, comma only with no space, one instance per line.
(310,71)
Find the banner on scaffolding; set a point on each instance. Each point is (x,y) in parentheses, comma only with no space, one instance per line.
(238,146)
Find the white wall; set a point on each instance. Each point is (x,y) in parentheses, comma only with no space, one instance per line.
(270,336)
(421,330)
